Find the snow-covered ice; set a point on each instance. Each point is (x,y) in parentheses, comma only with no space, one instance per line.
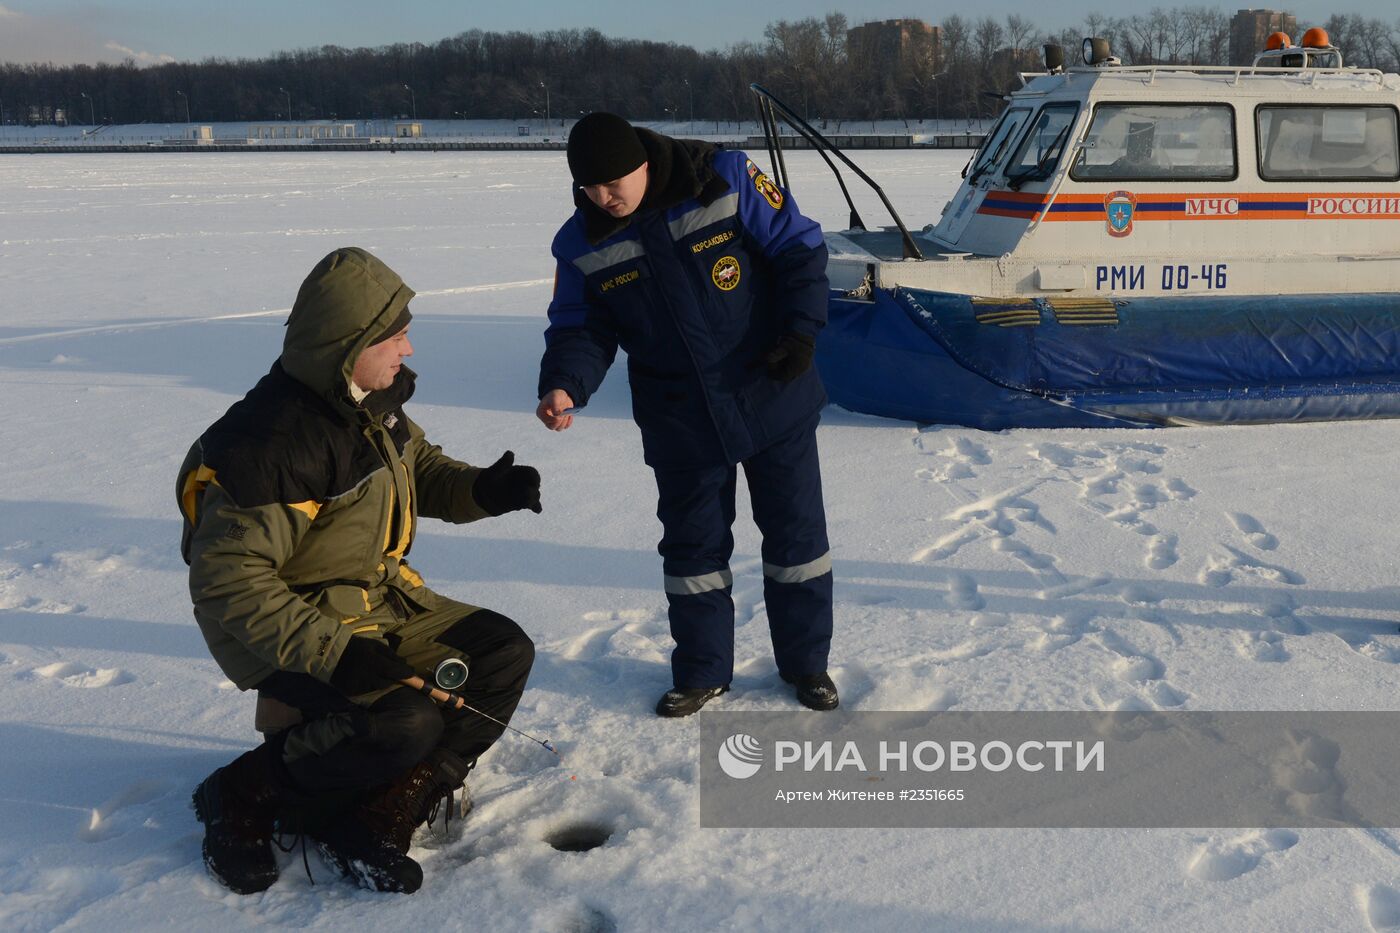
(1248,568)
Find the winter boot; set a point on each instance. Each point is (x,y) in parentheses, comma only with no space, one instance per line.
(815,691)
(366,856)
(416,797)
(370,845)
(237,805)
(682,701)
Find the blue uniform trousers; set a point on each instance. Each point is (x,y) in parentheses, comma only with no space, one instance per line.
(696,508)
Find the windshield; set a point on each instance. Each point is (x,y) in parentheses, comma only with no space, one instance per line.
(999,141)
(1046,141)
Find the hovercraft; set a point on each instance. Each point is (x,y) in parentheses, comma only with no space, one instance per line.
(1138,246)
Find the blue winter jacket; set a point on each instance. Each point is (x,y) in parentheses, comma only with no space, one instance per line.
(696,287)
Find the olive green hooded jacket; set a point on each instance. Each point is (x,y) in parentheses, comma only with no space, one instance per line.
(300,506)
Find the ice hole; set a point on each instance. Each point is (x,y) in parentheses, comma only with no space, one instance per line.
(579,838)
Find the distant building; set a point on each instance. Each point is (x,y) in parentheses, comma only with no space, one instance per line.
(1250,28)
(277,131)
(897,42)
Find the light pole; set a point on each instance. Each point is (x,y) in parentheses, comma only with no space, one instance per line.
(412,101)
(690,93)
(546,105)
(186,99)
(289,102)
(936,105)
(92,120)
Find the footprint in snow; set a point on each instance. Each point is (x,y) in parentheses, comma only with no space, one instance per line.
(1266,647)
(1228,859)
(1368,647)
(1178,489)
(1253,532)
(11,600)
(1064,630)
(1142,671)
(905,687)
(630,632)
(77,675)
(1161,552)
(962,593)
(1220,570)
(1135,594)
(1061,456)
(960,456)
(1138,465)
(1380,905)
(967,450)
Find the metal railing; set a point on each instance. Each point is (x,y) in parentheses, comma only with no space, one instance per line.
(769,111)
(1235,73)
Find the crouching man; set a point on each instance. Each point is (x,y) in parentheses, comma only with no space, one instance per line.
(300,508)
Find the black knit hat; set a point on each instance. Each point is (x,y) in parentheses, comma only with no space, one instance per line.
(393,329)
(603,147)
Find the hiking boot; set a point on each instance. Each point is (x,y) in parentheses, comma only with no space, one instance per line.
(682,701)
(438,829)
(238,805)
(416,797)
(365,856)
(814,691)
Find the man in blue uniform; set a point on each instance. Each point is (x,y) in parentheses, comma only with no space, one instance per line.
(702,269)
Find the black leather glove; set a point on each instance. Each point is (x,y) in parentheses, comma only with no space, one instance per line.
(368,664)
(790,357)
(503,487)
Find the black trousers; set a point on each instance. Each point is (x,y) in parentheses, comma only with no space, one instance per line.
(344,745)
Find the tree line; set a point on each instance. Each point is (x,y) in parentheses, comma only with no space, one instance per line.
(557,75)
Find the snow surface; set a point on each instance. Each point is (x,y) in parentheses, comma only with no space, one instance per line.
(1226,568)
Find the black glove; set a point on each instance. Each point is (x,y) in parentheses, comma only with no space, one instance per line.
(366,665)
(503,487)
(791,357)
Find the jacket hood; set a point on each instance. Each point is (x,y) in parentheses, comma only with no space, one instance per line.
(345,304)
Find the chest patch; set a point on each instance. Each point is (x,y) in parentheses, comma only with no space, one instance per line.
(716,240)
(617,281)
(725,273)
(764,185)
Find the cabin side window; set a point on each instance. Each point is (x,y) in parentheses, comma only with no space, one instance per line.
(1158,142)
(1327,143)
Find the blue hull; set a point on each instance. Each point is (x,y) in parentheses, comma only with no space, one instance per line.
(1137,362)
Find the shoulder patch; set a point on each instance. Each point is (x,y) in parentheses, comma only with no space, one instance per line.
(764,185)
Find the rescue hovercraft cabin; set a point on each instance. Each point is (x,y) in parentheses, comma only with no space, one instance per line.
(1142,245)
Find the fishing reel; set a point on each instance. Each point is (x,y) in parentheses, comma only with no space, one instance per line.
(450,674)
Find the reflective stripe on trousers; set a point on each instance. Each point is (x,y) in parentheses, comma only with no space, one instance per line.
(700,583)
(799,574)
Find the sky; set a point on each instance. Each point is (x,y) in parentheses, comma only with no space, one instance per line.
(153,31)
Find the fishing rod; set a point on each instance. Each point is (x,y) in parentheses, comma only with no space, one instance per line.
(448,676)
